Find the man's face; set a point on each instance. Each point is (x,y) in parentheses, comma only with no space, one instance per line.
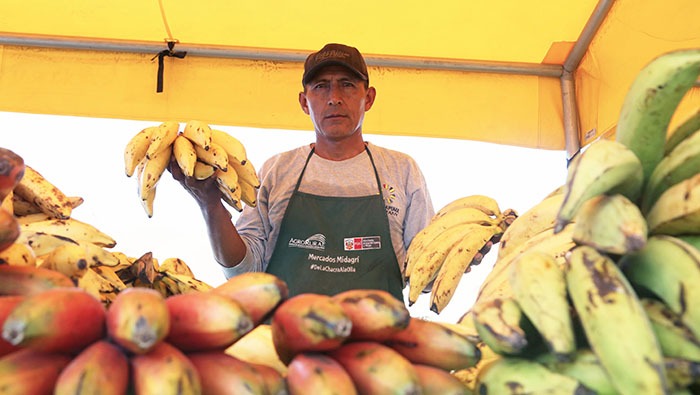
(336,100)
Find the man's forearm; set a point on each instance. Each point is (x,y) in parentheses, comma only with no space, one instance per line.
(227,245)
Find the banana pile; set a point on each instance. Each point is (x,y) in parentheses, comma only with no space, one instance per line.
(200,152)
(596,289)
(458,236)
(38,230)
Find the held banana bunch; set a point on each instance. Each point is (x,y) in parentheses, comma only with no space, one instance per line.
(199,151)
(458,236)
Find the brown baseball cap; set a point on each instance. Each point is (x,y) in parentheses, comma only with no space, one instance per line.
(338,54)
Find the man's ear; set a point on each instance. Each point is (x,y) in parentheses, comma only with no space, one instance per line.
(303,103)
(369,98)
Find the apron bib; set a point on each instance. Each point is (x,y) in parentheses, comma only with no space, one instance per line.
(331,244)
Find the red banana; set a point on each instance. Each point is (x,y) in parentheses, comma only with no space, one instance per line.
(137,319)
(7,303)
(318,374)
(375,314)
(27,280)
(30,371)
(164,370)
(222,374)
(101,368)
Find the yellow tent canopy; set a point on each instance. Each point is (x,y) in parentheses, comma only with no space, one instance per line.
(546,74)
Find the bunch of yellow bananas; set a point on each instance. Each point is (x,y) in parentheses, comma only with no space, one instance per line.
(200,152)
(597,287)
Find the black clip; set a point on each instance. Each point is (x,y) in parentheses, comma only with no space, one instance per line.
(160,56)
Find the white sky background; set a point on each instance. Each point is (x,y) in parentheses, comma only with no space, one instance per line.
(84,157)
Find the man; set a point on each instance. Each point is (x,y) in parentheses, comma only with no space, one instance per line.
(334,215)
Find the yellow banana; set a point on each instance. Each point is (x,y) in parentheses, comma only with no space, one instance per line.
(175,265)
(72,228)
(69,259)
(185,155)
(19,254)
(675,338)
(484,203)
(232,198)
(215,156)
(136,148)
(528,376)
(227,180)
(682,132)
(249,194)
(677,211)
(615,323)
(501,324)
(153,170)
(456,263)
(611,224)
(246,171)
(199,133)
(34,187)
(540,217)
(202,170)
(231,145)
(163,137)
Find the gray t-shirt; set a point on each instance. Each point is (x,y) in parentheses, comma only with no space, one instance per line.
(406,197)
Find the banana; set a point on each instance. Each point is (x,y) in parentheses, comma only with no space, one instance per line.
(153,170)
(7,304)
(626,345)
(56,320)
(72,228)
(227,180)
(185,155)
(308,322)
(503,327)
(431,343)
(540,217)
(215,156)
(11,171)
(468,377)
(6,203)
(147,202)
(230,197)
(256,347)
(186,284)
(484,203)
(97,282)
(318,374)
(375,314)
(164,370)
(28,280)
(137,319)
(529,377)
(259,293)
(432,257)
(23,207)
(249,194)
(233,147)
(683,131)
(652,100)
(162,138)
(678,165)
(677,211)
(221,373)
(457,262)
(437,226)
(539,288)
(30,371)
(202,170)
(605,167)
(9,229)
(376,368)
(246,172)
(34,187)
(100,368)
(436,381)
(202,321)
(612,224)
(583,366)
(681,374)
(69,259)
(670,269)
(199,133)
(497,284)
(175,265)
(675,339)
(136,148)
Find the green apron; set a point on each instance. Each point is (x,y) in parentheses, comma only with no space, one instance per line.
(328,244)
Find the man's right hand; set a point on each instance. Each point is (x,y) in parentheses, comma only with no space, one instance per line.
(204,191)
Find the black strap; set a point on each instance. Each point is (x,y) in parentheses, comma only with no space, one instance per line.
(160,56)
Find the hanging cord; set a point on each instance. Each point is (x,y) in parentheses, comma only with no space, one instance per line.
(166,52)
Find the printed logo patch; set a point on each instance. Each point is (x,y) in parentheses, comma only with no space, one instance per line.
(390,196)
(362,243)
(315,242)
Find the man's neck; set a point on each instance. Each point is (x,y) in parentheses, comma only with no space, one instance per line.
(339,150)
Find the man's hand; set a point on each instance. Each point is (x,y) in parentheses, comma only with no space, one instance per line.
(203,191)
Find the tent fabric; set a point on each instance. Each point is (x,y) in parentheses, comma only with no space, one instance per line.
(244,61)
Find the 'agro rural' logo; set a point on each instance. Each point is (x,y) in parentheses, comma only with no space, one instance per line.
(315,242)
